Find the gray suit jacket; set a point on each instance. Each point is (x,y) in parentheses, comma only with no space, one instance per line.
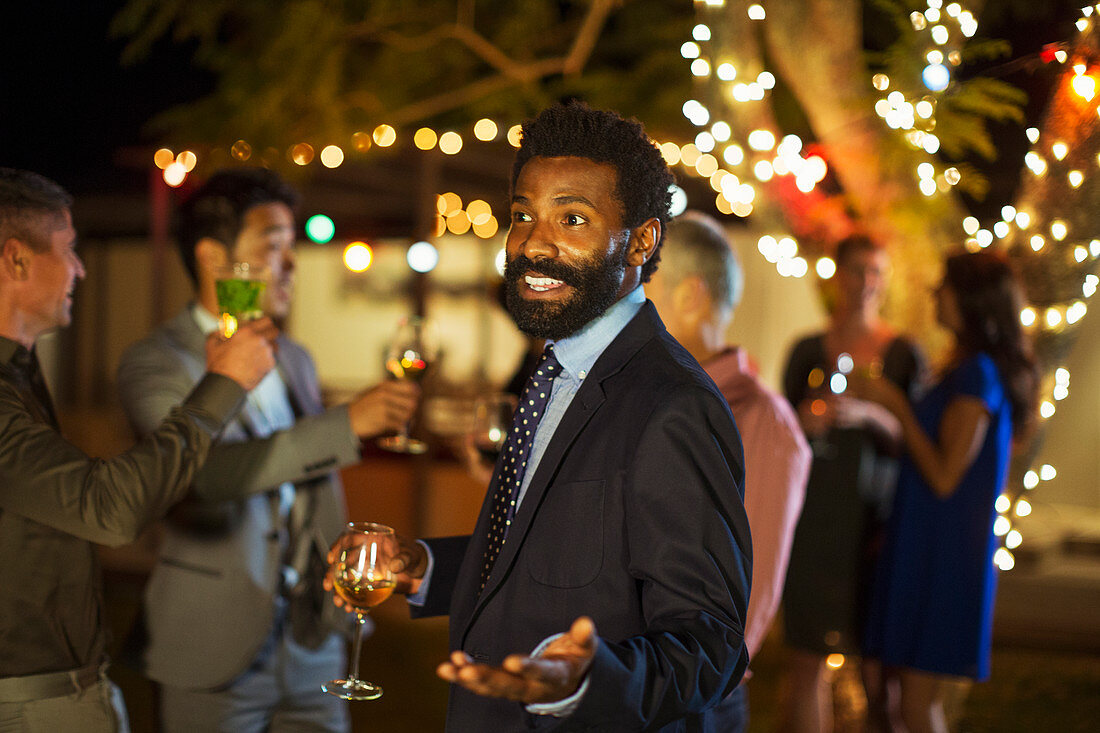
(210,601)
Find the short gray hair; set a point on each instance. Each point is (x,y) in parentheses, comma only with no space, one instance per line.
(26,199)
(697,245)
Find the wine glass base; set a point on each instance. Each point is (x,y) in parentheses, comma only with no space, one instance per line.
(353,689)
(403,444)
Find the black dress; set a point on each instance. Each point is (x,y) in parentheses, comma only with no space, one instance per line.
(848,499)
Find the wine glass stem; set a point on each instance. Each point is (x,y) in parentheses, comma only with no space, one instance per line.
(361,617)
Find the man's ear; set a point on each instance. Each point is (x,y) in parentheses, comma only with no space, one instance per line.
(643,242)
(210,253)
(15,258)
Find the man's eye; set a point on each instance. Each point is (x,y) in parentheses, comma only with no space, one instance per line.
(520,216)
(575,220)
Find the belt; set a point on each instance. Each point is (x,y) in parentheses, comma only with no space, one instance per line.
(51,684)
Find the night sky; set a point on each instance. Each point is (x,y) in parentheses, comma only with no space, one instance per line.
(68,105)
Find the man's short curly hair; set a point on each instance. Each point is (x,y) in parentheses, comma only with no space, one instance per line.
(577,130)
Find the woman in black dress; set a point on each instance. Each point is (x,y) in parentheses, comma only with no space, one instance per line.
(851,480)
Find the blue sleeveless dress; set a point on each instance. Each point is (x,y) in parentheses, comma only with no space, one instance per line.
(932,599)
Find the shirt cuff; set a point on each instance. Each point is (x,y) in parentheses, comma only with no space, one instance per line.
(560,708)
(421,595)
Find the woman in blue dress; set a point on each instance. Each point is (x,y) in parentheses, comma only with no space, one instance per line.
(931,612)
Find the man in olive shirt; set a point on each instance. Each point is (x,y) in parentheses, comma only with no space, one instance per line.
(54,500)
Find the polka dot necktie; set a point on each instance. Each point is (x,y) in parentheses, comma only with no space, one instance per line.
(536,394)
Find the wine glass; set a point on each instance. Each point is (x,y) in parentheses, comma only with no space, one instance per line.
(411,351)
(492,419)
(361,576)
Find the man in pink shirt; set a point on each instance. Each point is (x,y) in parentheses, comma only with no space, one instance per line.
(696,290)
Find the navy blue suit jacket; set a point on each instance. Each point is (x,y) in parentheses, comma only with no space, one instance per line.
(634,517)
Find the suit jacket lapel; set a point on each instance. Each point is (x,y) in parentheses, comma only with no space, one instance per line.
(589,398)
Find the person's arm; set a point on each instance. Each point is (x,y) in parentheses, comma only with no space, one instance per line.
(944,460)
(152,380)
(777,458)
(47,479)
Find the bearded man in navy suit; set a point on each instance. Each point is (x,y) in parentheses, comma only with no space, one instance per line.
(617,598)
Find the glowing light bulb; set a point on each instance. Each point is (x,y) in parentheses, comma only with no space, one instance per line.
(1085,86)
(320,228)
(450,142)
(1003,559)
(1047,472)
(826,268)
(761,140)
(384,136)
(425,138)
(163,158)
(422,257)
(485,130)
(358,256)
(332,156)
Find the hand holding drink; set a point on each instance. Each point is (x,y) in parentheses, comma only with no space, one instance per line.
(412,349)
(362,577)
(246,357)
(240,288)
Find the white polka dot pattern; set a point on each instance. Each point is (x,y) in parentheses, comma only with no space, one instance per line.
(533,403)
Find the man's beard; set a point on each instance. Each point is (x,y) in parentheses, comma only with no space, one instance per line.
(595,289)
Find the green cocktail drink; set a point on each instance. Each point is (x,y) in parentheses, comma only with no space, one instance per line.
(240,290)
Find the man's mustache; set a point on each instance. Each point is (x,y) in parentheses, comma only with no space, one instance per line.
(521,265)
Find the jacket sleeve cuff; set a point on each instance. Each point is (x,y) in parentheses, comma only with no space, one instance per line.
(216,399)
(558,708)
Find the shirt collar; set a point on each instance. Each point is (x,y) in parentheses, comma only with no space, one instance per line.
(207,322)
(578,352)
(15,354)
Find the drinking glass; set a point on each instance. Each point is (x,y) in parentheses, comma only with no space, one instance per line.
(361,576)
(492,419)
(412,349)
(240,288)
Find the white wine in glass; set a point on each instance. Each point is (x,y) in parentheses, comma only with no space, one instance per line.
(362,577)
(413,348)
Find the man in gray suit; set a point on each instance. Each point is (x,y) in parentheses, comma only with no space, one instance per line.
(238,630)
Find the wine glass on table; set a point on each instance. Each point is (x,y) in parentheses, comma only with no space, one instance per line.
(492,420)
(361,576)
(411,351)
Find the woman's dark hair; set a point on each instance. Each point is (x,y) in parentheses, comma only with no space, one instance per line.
(990,299)
(643,180)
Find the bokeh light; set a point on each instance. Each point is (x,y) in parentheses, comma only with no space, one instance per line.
(358,256)
(320,228)
(422,257)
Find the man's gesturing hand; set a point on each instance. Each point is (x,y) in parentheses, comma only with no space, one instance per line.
(552,676)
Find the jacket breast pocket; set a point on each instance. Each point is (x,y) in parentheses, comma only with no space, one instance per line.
(565,545)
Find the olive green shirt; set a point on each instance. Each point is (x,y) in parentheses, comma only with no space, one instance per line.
(55,502)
